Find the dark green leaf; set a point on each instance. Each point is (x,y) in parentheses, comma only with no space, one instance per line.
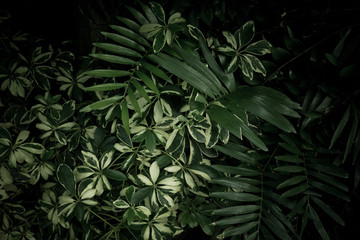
(245,34)
(234,125)
(117,49)
(236,219)
(276,226)
(113,59)
(318,224)
(100,104)
(235,183)
(158,11)
(148,82)
(124,41)
(238,230)
(159,41)
(66,177)
(259,48)
(156,71)
(236,196)
(290,169)
(185,72)
(134,101)
(291,181)
(114,174)
(131,34)
(340,127)
(294,191)
(236,210)
(235,151)
(139,17)
(125,117)
(150,141)
(140,89)
(205,224)
(328,210)
(105,87)
(141,194)
(129,23)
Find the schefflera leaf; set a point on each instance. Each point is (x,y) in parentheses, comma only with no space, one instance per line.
(66,177)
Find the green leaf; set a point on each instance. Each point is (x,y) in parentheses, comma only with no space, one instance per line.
(236,210)
(197,134)
(131,34)
(91,160)
(236,196)
(243,171)
(129,23)
(290,169)
(138,16)
(276,226)
(113,59)
(329,190)
(246,68)
(318,224)
(259,48)
(159,41)
(134,101)
(123,136)
(158,11)
(148,82)
(255,64)
(233,65)
(294,191)
(125,117)
(128,161)
(236,219)
(124,41)
(201,68)
(291,181)
(150,141)
(205,224)
(245,34)
(156,71)
(234,125)
(34,148)
(238,230)
(235,183)
(329,169)
(227,79)
(328,210)
(105,87)
(340,127)
(230,38)
(114,174)
(235,151)
(101,104)
(140,89)
(4,134)
(66,177)
(119,203)
(117,49)
(289,158)
(351,138)
(141,194)
(185,72)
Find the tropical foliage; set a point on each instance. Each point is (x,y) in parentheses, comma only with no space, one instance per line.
(168,126)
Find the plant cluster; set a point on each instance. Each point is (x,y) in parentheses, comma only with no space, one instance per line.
(165,128)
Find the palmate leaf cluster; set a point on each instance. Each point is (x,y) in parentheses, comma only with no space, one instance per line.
(166,128)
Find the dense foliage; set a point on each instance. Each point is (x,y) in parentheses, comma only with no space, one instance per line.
(183,116)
